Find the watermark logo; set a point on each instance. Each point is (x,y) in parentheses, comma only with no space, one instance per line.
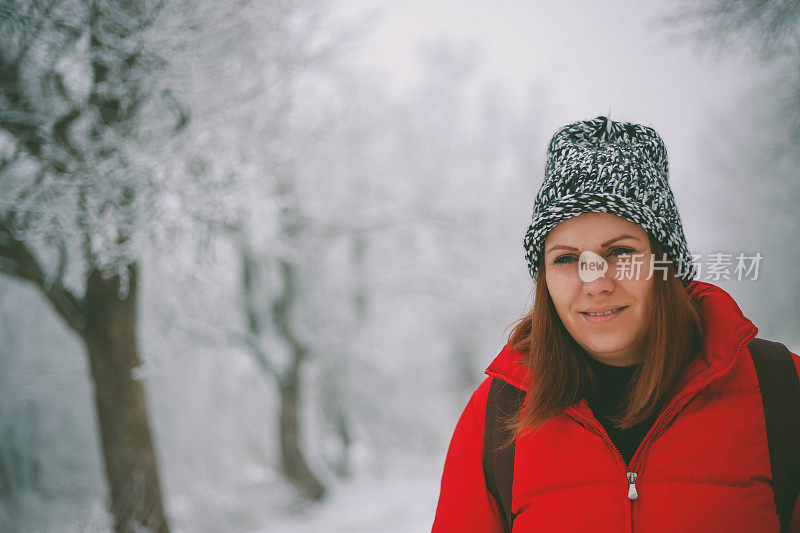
(713,267)
(717,266)
(591,266)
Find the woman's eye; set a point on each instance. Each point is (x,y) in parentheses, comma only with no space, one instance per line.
(566,259)
(621,250)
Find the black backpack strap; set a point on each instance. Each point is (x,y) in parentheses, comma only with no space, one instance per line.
(498,464)
(780,395)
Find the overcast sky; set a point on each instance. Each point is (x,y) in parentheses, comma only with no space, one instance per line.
(587,57)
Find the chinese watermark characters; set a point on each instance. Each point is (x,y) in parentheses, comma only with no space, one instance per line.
(713,267)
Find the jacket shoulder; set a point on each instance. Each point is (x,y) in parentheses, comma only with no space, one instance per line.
(509,366)
(464,502)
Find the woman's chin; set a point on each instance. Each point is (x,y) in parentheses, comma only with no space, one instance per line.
(610,352)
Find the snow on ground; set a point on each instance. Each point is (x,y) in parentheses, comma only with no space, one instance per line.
(403,503)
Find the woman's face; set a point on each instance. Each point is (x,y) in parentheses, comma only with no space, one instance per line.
(618,338)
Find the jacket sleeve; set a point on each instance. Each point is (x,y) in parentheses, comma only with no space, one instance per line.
(465,504)
(794,523)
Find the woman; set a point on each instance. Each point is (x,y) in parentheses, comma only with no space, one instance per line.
(641,406)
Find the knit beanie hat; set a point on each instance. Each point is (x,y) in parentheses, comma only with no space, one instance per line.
(611,167)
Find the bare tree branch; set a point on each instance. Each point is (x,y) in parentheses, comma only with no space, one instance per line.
(11,216)
(36,29)
(179,108)
(8,161)
(19,261)
(251,343)
(771,27)
(254,325)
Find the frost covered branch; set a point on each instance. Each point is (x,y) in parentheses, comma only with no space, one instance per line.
(17,260)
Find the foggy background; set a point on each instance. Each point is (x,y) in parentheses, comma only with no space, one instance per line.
(254,256)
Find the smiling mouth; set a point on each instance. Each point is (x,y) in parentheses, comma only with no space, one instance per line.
(604,313)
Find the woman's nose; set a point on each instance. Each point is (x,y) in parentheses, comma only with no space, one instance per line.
(598,286)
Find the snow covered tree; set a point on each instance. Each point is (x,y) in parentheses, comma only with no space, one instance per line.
(248,138)
(752,148)
(82,111)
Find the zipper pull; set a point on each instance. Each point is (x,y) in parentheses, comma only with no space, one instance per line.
(632,494)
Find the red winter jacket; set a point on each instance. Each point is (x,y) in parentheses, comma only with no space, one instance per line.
(703,467)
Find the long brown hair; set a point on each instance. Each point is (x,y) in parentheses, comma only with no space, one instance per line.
(560,374)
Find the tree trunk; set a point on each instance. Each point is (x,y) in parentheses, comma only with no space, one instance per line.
(293,463)
(295,467)
(130,460)
(342,466)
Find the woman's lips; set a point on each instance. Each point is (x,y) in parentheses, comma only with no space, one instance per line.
(603,318)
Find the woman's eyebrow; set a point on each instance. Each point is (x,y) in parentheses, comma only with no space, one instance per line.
(615,239)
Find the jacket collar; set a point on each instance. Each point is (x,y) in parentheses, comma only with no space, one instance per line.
(726,330)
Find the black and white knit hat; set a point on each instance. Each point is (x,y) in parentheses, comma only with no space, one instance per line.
(611,167)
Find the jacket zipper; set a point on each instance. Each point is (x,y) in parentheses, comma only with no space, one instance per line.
(632,494)
(630,477)
(636,461)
